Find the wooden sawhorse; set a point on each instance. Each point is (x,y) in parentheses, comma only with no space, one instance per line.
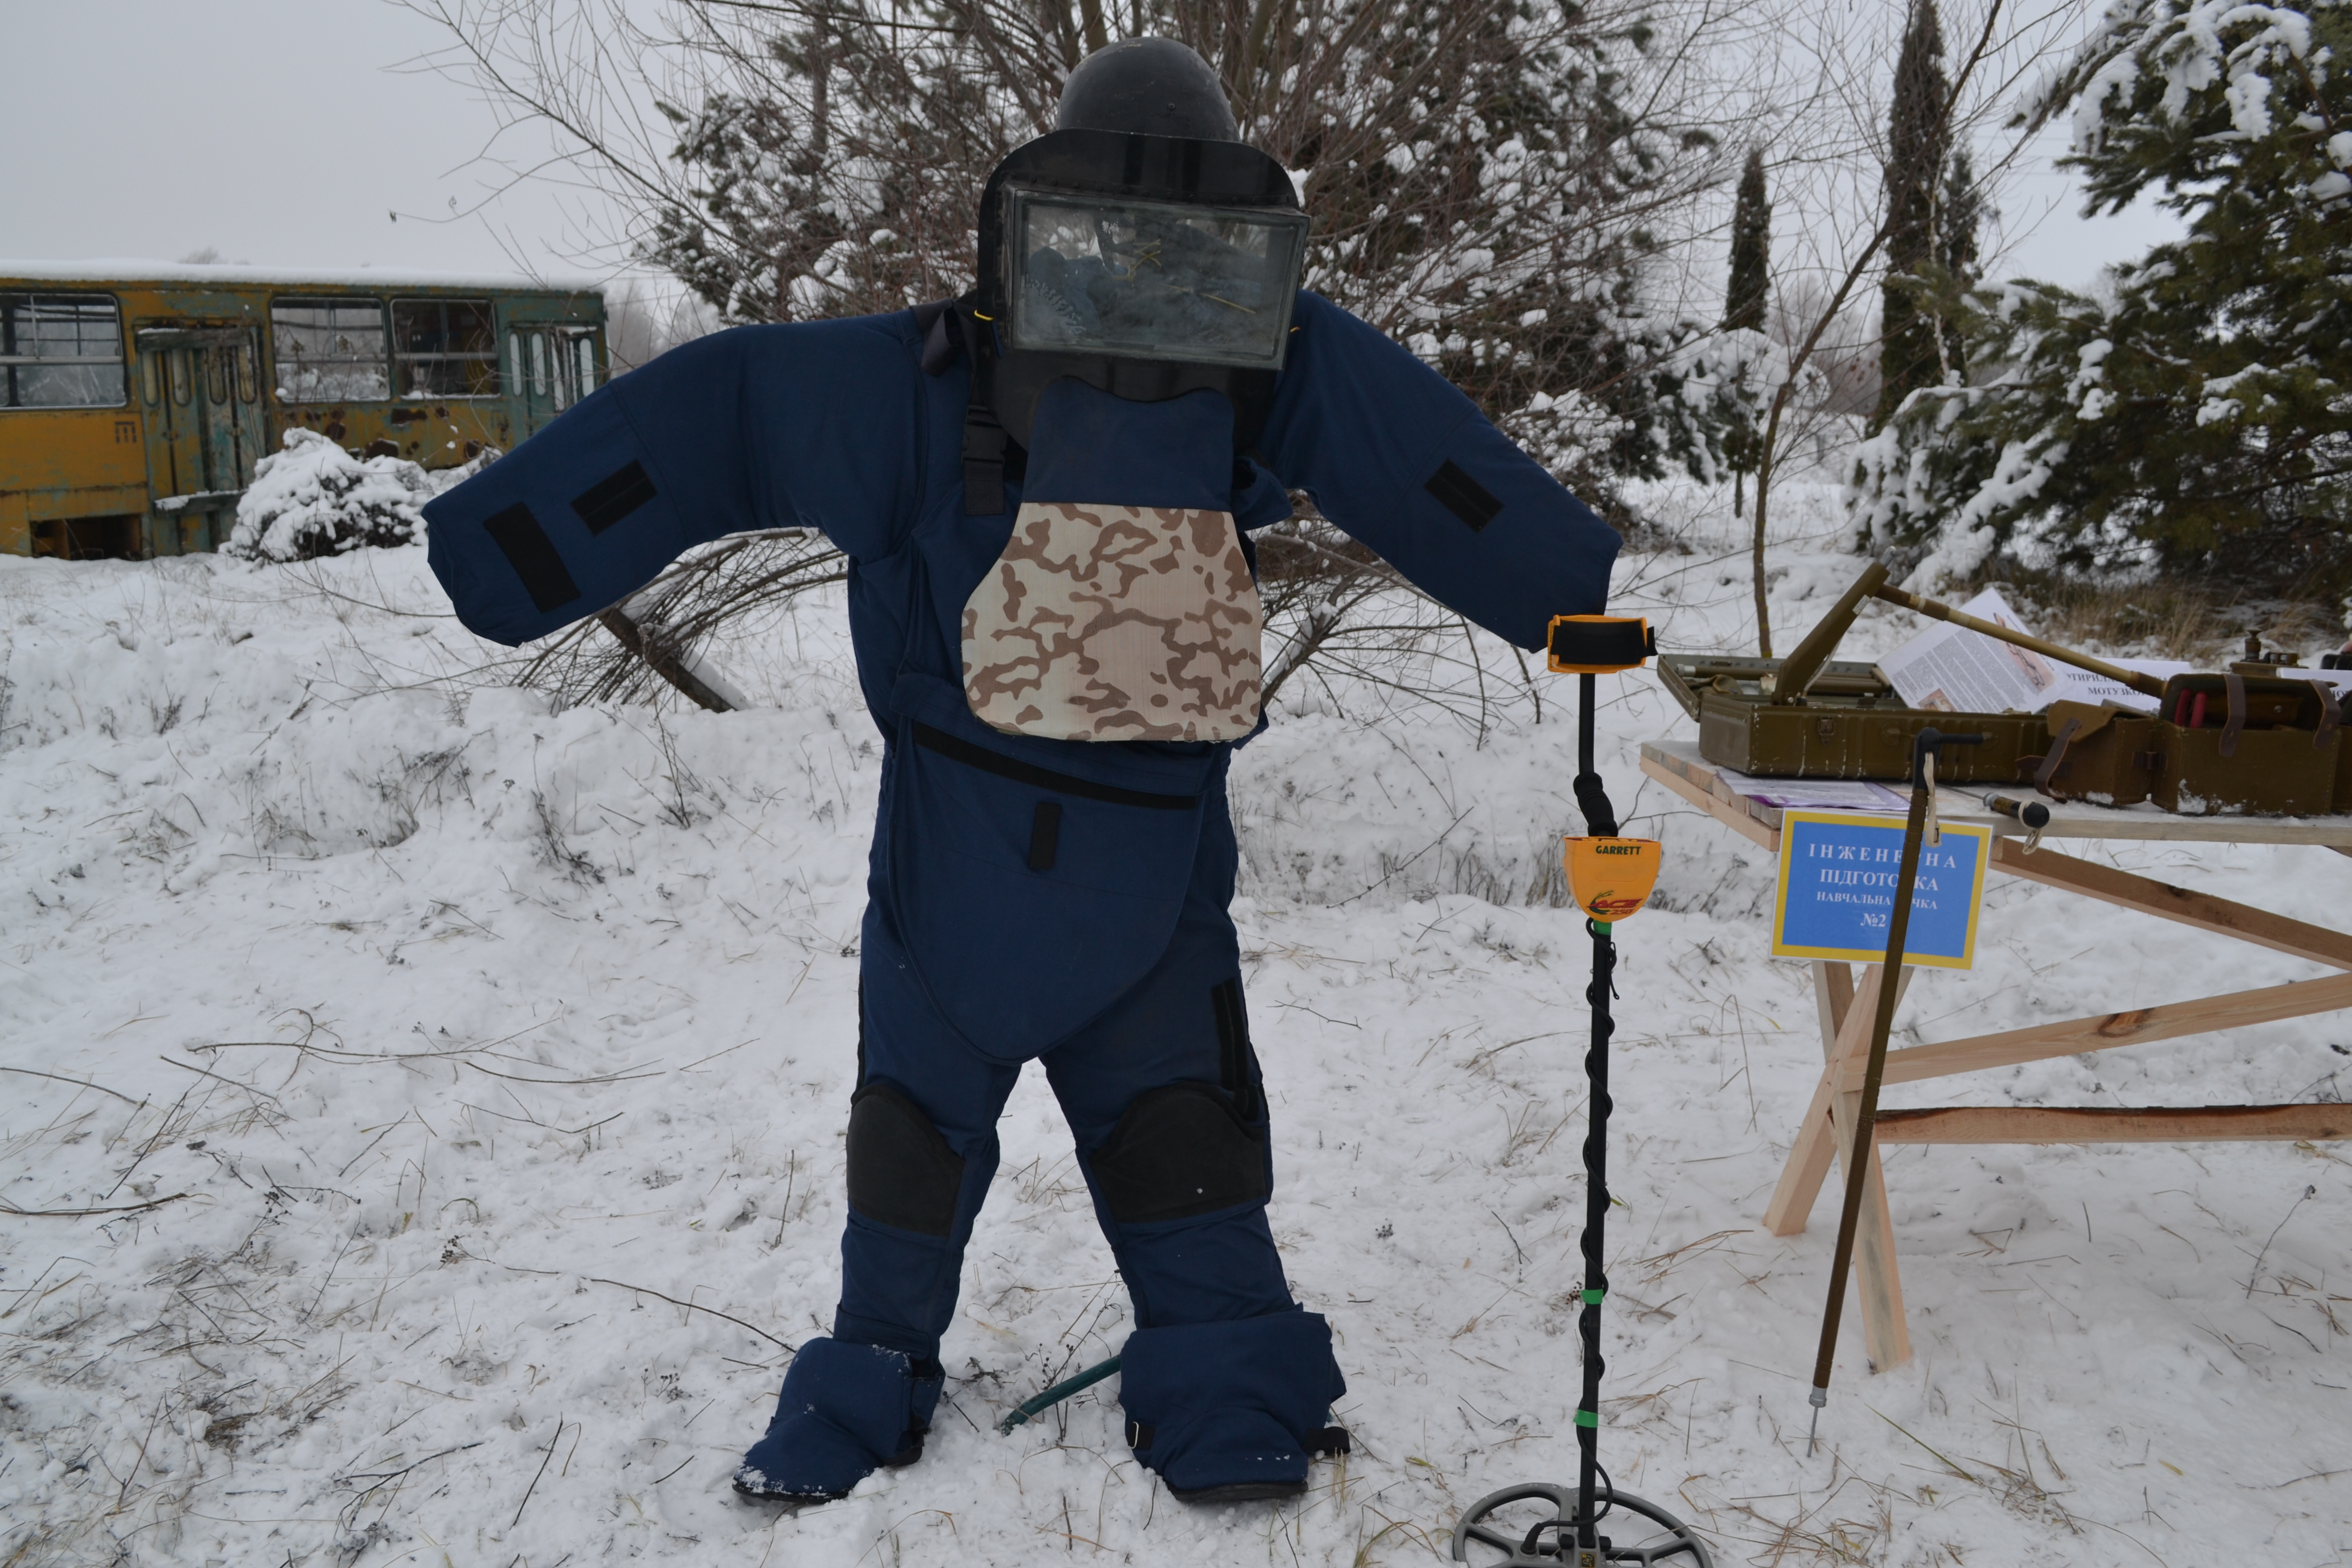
(1847,1005)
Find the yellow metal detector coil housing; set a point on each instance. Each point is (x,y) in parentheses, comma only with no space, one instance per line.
(1610,879)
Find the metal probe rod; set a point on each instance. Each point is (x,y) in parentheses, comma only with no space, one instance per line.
(1857,1166)
(2145,684)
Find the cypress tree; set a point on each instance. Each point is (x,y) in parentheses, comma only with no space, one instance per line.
(1918,137)
(1957,220)
(1743,308)
(1751,249)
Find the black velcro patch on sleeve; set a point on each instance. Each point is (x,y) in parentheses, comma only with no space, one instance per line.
(614,497)
(1462,496)
(532,554)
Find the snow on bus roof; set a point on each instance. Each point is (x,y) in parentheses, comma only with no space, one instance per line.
(129,270)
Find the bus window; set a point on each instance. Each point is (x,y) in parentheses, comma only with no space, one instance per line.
(329,351)
(447,348)
(572,370)
(183,378)
(61,350)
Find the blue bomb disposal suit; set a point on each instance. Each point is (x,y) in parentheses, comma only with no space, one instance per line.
(1044,489)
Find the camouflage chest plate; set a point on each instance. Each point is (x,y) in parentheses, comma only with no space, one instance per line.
(1115,623)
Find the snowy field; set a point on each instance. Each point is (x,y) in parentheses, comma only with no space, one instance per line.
(422,1137)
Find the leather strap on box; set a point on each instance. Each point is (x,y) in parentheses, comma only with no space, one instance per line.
(2049,768)
(2331,714)
(2234,685)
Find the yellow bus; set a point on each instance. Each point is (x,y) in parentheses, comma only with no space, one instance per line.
(135,397)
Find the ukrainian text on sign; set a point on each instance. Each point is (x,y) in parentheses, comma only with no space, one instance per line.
(1838,872)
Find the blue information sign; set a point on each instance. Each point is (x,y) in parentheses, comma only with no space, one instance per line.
(1837,890)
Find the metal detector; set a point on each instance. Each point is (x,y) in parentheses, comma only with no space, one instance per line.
(1542,1524)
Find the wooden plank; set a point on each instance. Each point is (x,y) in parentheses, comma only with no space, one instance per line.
(2105,1124)
(1832,996)
(2165,1021)
(2202,911)
(1824,1137)
(1808,1166)
(1846,1014)
(2076,819)
(1877,1279)
(1730,817)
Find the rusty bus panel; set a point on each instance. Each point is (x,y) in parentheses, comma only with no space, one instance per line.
(133,408)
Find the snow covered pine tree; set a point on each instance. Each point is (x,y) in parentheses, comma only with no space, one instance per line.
(2201,419)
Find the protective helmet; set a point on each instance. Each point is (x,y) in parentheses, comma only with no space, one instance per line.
(1150,86)
(1138,247)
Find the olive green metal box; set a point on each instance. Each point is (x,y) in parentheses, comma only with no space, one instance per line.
(1851,725)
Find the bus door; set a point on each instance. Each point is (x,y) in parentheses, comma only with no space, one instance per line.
(552,367)
(200,387)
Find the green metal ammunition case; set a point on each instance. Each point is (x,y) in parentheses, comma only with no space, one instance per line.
(1850,726)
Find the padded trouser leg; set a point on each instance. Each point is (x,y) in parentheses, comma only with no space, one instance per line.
(923,1153)
(1166,1105)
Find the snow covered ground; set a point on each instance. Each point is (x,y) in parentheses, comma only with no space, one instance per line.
(422,1130)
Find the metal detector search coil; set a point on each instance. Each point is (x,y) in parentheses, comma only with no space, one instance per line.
(1611,879)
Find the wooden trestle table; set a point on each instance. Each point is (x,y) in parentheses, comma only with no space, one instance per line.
(1847,1005)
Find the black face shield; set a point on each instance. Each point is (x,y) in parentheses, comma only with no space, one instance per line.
(1144,266)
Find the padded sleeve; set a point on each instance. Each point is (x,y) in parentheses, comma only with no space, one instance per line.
(1393,453)
(816,424)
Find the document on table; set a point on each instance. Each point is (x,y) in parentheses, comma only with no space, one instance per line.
(1950,669)
(1839,794)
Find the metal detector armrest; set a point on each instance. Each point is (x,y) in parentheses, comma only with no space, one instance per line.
(1599,644)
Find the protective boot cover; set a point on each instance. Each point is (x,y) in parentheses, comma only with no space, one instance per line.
(846,1411)
(1106,622)
(1214,1406)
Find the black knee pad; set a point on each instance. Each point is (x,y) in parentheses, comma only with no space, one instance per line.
(1179,1152)
(901,1172)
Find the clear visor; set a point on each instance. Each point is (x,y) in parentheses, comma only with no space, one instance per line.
(1151,279)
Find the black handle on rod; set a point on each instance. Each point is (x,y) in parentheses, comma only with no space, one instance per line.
(1599,820)
(1930,743)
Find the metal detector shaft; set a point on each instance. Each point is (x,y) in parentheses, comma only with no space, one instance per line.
(1600,819)
(1857,1166)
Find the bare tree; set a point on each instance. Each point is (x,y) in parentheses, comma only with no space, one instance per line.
(1842,153)
(1500,187)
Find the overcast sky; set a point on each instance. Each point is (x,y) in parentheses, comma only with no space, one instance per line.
(283,132)
(286,132)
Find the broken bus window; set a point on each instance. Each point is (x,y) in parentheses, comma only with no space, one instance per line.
(61,350)
(329,351)
(446,348)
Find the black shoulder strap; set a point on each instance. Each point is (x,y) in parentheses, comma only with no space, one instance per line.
(984,439)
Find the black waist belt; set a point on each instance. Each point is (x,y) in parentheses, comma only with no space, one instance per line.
(1003,766)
